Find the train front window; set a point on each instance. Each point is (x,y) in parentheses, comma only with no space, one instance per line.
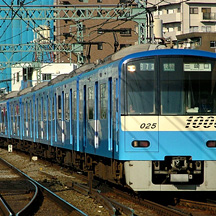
(171,85)
(140,87)
(187,86)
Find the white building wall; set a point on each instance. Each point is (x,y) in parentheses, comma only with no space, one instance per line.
(176,13)
(54,69)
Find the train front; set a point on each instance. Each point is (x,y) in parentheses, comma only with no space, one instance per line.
(168,121)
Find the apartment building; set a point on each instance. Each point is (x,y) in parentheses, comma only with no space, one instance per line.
(191,18)
(98,37)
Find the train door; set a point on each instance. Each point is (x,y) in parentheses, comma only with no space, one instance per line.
(14,120)
(33,117)
(59,119)
(90,123)
(63,118)
(23,118)
(30,121)
(71,116)
(45,118)
(96,138)
(11,119)
(84,118)
(110,146)
(25,113)
(74,128)
(67,117)
(40,116)
(4,120)
(18,108)
(52,117)
(81,137)
(42,119)
(48,118)
(36,119)
(115,118)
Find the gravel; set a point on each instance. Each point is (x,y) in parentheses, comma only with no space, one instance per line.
(56,179)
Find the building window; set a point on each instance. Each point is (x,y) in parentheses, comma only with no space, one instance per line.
(213,44)
(99,1)
(100,46)
(170,11)
(84,28)
(206,13)
(171,29)
(17,78)
(46,76)
(124,45)
(13,78)
(125,32)
(178,10)
(194,10)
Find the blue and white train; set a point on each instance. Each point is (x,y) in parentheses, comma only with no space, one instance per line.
(146,119)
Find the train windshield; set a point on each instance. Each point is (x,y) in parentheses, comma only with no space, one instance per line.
(141,87)
(181,85)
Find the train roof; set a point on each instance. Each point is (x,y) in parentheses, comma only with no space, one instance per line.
(40,85)
(133,49)
(122,55)
(11,94)
(170,52)
(25,91)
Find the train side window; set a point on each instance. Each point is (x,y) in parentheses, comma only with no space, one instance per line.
(59,107)
(90,102)
(67,108)
(2,115)
(24,110)
(103,101)
(80,104)
(44,108)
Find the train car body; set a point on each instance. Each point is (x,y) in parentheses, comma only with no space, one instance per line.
(148,119)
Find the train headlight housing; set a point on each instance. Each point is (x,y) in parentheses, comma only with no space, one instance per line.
(141,143)
(211,144)
(131,68)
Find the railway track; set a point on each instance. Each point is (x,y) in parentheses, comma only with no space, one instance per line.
(115,201)
(195,208)
(21,195)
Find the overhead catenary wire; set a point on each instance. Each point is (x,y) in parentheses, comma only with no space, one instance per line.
(74,37)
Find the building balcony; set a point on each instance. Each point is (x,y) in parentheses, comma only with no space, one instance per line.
(171,18)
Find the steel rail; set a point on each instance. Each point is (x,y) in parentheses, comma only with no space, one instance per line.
(4,208)
(61,202)
(27,208)
(198,205)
